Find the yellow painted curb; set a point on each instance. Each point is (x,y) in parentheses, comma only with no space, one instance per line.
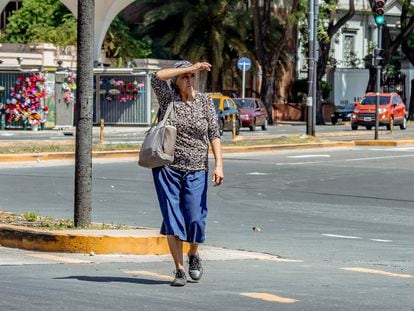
(45,156)
(286,146)
(134,242)
(385,143)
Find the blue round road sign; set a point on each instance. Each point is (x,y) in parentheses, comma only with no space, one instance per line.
(244,63)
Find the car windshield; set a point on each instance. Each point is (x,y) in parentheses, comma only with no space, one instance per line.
(245,103)
(348,106)
(371,100)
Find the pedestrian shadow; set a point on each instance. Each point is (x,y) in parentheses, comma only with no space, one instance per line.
(108,279)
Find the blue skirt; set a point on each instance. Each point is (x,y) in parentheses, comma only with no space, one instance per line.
(182,197)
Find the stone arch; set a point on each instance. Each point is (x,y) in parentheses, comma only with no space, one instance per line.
(105,12)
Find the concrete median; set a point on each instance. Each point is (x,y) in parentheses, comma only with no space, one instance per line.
(123,241)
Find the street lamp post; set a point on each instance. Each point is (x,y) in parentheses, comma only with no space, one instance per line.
(311,63)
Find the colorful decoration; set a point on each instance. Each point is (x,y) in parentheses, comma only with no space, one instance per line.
(25,102)
(69,87)
(122,91)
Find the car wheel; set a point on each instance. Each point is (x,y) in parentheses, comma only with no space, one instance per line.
(253,127)
(264,126)
(221,127)
(369,127)
(354,127)
(403,125)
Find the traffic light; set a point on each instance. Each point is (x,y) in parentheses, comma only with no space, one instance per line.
(379,12)
(377,57)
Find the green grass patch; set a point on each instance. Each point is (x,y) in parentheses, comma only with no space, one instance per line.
(33,220)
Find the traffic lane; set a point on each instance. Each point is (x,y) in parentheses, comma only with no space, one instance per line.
(304,207)
(226,285)
(136,134)
(258,208)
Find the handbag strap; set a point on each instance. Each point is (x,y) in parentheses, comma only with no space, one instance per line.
(169,114)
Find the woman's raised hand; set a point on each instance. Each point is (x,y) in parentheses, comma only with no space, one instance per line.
(201,66)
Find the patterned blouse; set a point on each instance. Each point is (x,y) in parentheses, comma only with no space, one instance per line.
(196,124)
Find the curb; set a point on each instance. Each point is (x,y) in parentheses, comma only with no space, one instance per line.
(21,157)
(385,143)
(45,156)
(130,242)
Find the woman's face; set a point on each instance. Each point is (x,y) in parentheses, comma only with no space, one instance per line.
(185,83)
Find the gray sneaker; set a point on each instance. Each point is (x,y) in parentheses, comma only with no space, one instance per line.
(180,278)
(195,269)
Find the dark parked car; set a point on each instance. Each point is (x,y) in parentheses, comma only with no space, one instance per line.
(342,113)
(252,113)
(227,111)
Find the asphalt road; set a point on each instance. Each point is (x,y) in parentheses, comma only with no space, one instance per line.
(135,135)
(321,229)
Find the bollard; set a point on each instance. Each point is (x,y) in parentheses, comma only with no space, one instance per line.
(101,133)
(233,126)
(2,121)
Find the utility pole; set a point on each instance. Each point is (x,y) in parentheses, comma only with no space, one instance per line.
(84,111)
(315,64)
(311,70)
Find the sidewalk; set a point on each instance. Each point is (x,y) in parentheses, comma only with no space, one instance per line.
(142,241)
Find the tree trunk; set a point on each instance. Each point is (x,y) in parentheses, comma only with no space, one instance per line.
(268,95)
(324,49)
(84,104)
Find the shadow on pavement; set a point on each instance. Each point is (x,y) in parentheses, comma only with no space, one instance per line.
(103,279)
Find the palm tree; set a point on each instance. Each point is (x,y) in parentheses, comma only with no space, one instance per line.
(199,30)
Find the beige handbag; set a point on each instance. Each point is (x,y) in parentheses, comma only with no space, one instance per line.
(159,142)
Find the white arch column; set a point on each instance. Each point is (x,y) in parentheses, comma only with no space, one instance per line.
(105,12)
(3,4)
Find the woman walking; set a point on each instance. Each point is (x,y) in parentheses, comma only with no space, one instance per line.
(182,186)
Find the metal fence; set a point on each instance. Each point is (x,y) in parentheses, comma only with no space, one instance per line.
(122,99)
(119,98)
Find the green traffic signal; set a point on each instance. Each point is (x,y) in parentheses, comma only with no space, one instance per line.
(379,12)
(379,19)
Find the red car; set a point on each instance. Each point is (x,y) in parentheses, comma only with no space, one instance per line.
(391,111)
(252,113)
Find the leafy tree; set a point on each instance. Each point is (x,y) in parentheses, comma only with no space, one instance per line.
(50,21)
(407,43)
(391,44)
(41,21)
(271,44)
(327,11)
(120,44)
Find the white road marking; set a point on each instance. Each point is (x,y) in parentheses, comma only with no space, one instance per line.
(257,173)
(354,237)
(379,158)
(310,156)
(341,236)
(380,240)
(394,149)
(301,163)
